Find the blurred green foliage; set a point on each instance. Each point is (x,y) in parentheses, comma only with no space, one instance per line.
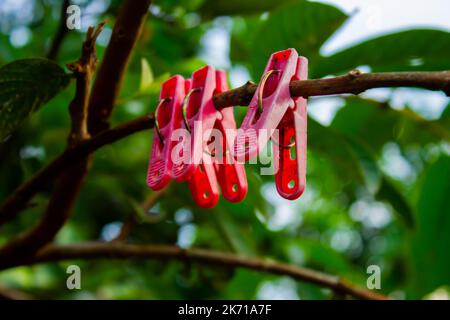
(378,176)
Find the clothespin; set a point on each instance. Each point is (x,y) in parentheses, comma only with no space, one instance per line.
(274,114)
(195,163)
(167,119)
(230,173)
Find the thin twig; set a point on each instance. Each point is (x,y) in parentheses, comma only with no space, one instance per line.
(13,294)
(125,34)
(118,250)
(83,70)
(18,200)
(70,180)
(60,34)
(131,220)
(104,93)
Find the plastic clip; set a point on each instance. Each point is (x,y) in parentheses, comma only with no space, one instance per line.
(196,164)
(274,114)
(167,119)
(230,173)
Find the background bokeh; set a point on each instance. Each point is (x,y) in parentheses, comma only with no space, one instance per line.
(378,164)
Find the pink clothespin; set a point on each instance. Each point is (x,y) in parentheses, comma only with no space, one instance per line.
(230,174)
(274,114)
(167,119)
(195,163)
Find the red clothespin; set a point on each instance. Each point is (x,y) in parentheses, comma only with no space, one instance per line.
(167,119)
(274,114)
(230,173)
(203,184)
(290,177)
(195,163)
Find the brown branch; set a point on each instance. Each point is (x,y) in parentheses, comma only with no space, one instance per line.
(83,70)
(132,219)
(354,82)
(60,34)
(13,294)
(119,250)
(104,92)
(126,228)
(125,34)
(18,200)
(70,180)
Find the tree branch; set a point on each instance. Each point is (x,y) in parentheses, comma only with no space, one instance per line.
(354,82)
(18,200)
(104,92)
(132,220)
(70,180)
(117,250)
(83,70)
(61,32)
(13,294)
(125,34)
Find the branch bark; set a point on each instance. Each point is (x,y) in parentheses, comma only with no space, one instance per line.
(354,82)
(13,294)
(83,70)
(125,34)
(132,220)
(60,34)
(117,250)
(18,200)
(70,180)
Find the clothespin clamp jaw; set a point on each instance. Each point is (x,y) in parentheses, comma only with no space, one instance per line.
(273,114)
(268,105)
(290,148)
(203,184)
(230,173)
(199,115)
(167,119)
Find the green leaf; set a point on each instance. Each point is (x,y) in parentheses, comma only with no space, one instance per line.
(232,233)
(232,7)
(146,75)
(25,86)
(356,125)
(304,26)
(376,123)
(446,113)
(378,183)
(368,121)
(367,161)
(419,49)
(319,254)
(431,241)
(241,47)
(444,120)
(332,145)
(388,192)
(244,284)
(413,129)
